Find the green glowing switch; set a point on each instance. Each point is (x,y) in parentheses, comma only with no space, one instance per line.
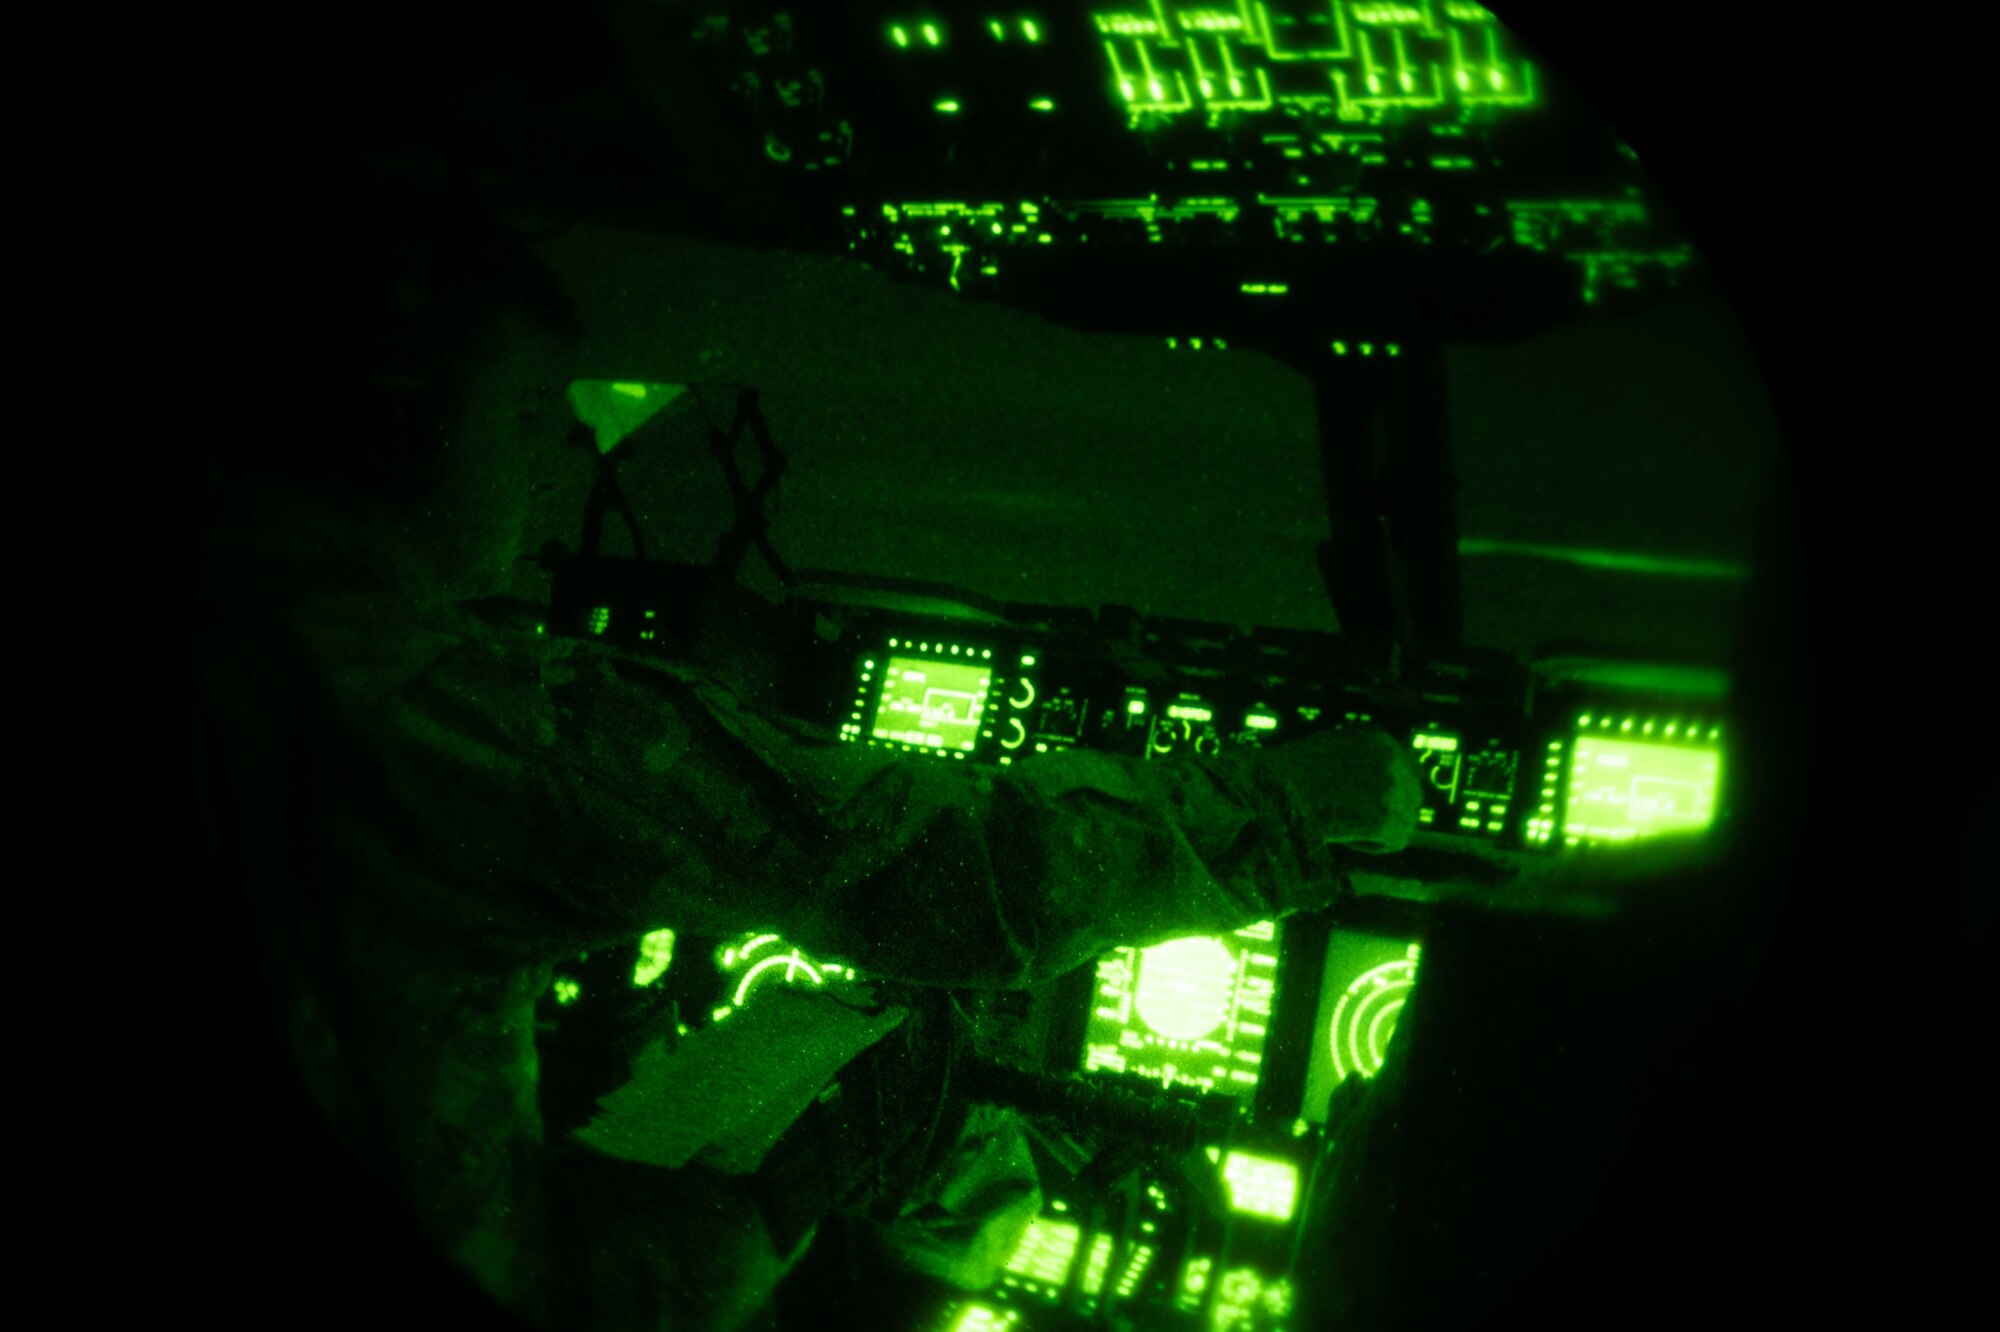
(977,1317)
(1260,1186)
(1097,1265)
(1135,1270)
(1045,1253)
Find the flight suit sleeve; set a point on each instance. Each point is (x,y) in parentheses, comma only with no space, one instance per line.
(563,795)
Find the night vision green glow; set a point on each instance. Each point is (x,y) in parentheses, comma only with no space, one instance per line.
(1097,1265)
(983,1318)
(1366,981)
(1135,1270)
(1185,987)
(1370,59)
(1621,561)
(1246,1298)
(1191,1012)
(1624,785)
(1042,1260)
(1194,1282)
(1364,1017)
(753,962)
(614,409)
(1259,1186)
(933,704)
(656,954)
(1335,86)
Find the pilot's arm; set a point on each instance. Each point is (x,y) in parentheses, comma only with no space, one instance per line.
(571,795)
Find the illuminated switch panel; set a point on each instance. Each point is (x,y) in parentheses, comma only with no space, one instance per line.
(979,1316)
(1040,1265)
(1243,1296)
(1468,784)
(1187,725)
(1021,701)
(1259,1186)
(753,963)
(1133,1270)
(1106,1266)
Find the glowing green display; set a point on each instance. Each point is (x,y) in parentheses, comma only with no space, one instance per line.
(932,704)
(1259,1185)
(1191,1012)
(1364,1017)
(1363,989)
(656,954)
(1632,777)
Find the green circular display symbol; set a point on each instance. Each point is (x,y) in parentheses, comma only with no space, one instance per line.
(1185,987)
(1365,1018)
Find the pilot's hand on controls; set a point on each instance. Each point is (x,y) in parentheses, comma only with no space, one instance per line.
(1362,786)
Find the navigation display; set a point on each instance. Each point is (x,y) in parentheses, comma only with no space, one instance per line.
(1632,779)
(1191,1012)
(1367,980)
(934,704)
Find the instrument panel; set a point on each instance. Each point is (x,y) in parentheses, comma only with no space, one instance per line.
(1535,756)
(1510,755)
